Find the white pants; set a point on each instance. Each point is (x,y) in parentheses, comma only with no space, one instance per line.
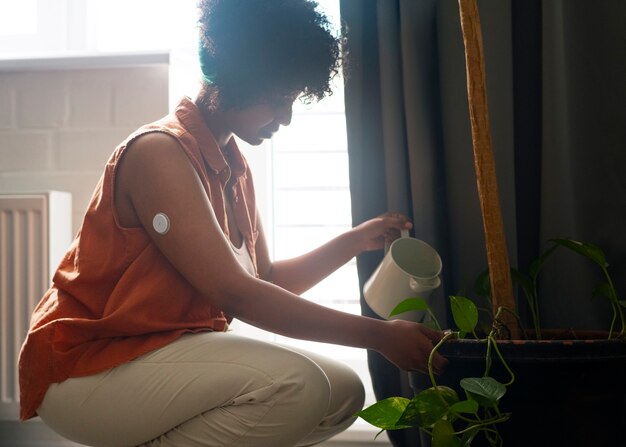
(209,389)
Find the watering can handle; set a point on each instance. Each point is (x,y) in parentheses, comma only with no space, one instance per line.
(403,233)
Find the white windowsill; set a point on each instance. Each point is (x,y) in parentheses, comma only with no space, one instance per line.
(82,61)
(361,435)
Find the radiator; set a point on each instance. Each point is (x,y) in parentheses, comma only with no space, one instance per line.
(35,231)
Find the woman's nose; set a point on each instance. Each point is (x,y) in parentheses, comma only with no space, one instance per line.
(284,114)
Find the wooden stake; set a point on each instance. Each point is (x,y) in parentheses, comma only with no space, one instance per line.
(484,164)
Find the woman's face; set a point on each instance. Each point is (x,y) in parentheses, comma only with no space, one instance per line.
(259,122)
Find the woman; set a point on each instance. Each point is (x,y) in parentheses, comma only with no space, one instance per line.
(129,346)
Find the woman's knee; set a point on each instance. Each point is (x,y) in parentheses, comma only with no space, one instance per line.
(347,391)
(292,405)
(311,387)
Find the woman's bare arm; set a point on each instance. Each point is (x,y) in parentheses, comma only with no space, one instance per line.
(157,177)
(301,273)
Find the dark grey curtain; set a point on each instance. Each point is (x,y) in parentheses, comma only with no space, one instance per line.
(556,72)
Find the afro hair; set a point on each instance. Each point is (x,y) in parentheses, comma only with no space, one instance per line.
(266,50)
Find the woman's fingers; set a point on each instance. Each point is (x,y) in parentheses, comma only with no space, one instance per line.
(410,344)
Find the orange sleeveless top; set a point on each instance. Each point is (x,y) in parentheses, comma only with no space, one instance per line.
(114,296)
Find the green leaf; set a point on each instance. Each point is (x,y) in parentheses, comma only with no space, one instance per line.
(469,436)
(605,290)
(487,391)
(464,312)
(466,406)
(428,407)
(587,250)
(444,436)
(412,416)
(384,414)
(408,305)
(622,303)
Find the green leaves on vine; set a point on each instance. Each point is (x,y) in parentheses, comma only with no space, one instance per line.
(486,391)
(386,413)
(413,304)
(444,435)
(409,305)
(464,312)
(438,409)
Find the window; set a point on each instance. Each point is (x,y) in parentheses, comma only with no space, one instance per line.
(32,26)
(22,19)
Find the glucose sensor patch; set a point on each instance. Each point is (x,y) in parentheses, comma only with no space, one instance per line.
(161,223)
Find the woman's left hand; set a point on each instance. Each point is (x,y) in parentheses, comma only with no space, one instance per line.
(374,233)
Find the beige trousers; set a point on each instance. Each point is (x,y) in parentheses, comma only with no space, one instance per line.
(210,389)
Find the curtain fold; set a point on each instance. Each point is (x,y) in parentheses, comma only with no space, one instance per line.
(583,152)
(379,169)
(557,99)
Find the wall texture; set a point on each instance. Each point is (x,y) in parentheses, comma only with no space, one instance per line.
(58,127)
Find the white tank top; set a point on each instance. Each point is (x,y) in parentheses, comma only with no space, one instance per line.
(244,258)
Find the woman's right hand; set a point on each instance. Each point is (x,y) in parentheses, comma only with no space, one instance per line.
(408,346)
(374,233)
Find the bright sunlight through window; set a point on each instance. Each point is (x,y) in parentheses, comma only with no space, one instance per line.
(17,18)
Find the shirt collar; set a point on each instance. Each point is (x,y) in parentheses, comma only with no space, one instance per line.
(190,116)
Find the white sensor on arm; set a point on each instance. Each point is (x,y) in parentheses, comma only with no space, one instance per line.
(161,223)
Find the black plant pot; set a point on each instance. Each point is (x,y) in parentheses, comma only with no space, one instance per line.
(566,392)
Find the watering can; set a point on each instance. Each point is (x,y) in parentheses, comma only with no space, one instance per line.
(410,268)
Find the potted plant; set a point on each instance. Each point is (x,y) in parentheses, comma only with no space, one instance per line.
(506,387)
(545,388)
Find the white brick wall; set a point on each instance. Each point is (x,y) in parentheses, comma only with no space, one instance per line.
(41,99)
(6,106)
(59,126)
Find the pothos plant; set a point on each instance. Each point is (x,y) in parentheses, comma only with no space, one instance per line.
(455,421)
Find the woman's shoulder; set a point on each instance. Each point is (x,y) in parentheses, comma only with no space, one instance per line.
(155,140)
(154,150)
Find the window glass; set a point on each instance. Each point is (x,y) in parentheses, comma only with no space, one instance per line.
(33,27)
(18,17)
(124,25)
